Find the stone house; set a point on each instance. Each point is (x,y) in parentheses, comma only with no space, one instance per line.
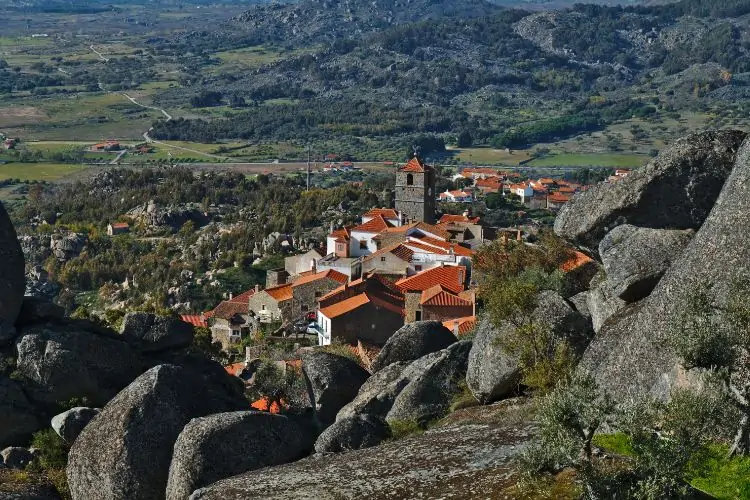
(368,310)
(437,293)
(394,260)
(350,266)
(272,304)
(298,264)
(118,228)
(230,321)
(307,291)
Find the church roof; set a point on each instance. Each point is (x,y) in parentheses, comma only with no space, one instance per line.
(415,165)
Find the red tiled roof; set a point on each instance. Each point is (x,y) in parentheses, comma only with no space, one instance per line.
(343,233)
(228,308)
(235,368)
(577,260)
(345,306)
(446,246)
(558,198)
(195,319)
(264,404)
(448,219)
(438,296)
(493,183)
(414,165)
(387,213)
(375,225)
(387,304)
(397,249)
(281,293)
(465,325)
(120,225)
(451,277)
(330,273)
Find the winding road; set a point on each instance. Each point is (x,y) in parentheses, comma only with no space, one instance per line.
(164,112)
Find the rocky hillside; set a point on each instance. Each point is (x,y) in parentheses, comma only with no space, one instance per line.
(327,20)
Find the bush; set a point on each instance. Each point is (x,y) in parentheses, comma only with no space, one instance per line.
(53,451)
(404,428)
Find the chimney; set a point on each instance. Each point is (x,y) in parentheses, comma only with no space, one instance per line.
(313,265)
(455,328)
(518,236)
(466,213)
(257,288)
(231,295)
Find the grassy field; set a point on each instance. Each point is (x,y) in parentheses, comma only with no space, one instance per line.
(38,171)
(614,160)
(490,156)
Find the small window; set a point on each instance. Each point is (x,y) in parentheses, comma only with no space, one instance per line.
(263,307)
(363,244)
(382,259)
(418,316)
(409,180)
(318,294)
(304,307)
(417,268)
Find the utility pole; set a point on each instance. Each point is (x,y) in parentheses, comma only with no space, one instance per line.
(308,166)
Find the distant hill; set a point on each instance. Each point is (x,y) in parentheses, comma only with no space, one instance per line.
(318,20)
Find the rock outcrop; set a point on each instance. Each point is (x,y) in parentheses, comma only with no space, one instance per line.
(66,246)
(635,258)
(421,390)
(65,361)
(412,341)
(492,373)
(125,452)
(353,433)
(149,332)
(38,310)
(333,381)
(69,424)
(38,284)
(226,444)
(674,191)
(15,457)
(630,354)
(18,418)
(429,395)
(12,278)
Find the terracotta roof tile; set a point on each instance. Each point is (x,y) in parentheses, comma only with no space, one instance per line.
(342,232)
(397,249)
(438,296)
(578,259)
(195,320)
(345,306)
(235,369)
(280,293)
(446,246)
(414,165)
(448,219)
(375,225)
(451,277)
(330,273)
(558,198)
(465,325)
(387,213)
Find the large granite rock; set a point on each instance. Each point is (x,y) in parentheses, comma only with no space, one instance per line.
(492,373)
(38,310)
(17,415)
(333,381)
(125,452)
(226,444)
(66,246)
(630,354)
(429,395)
(353,433)
(38,284)
(12,278)
(16,457)
(69,424)
(64,361)
(151,333)
(420,390)
(635,258)
(602,303)
(412,341)
(674,191)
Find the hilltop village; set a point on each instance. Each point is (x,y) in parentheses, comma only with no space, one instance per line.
(396,266)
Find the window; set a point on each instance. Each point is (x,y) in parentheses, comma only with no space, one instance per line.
(417,268)
(304,307)
(363,244)
(382,259)
(409,180)
(318,294)
(418,316)
(263,307)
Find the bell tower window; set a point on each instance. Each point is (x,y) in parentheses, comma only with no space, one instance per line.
(409,180)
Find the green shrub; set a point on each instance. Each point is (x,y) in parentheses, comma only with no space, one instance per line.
(403,428)
(53,451)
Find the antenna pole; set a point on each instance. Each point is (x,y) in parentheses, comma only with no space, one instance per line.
(308,167)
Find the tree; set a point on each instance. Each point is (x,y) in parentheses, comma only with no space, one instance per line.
(464,139)
(716,337)
(513,274)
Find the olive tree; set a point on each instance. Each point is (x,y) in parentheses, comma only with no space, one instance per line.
(716,337)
